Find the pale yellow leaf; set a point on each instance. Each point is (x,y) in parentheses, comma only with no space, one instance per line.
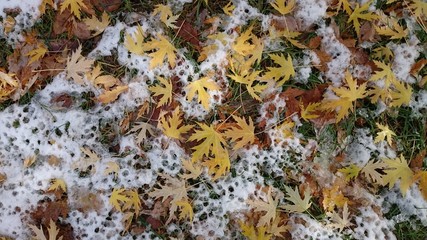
(194,170)
(96,25)
(371,171)
(401,95)
(166,15)
(398,169)
(340,222)
(385,133)
(298,204)
(29,161)
(58,184)
(135,43)
(112,95)
(77,66)
(112,167)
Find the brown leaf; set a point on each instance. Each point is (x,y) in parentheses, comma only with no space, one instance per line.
(417,161)
(324,59)
(367,32)
(81,30)
(86,200)
(48,210)
(418,66)
(188,33)
(107,5)
(3,178)
(315,42)
(62,101)
(62,22)
(285,23)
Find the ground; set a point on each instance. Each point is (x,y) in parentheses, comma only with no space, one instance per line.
(280,119)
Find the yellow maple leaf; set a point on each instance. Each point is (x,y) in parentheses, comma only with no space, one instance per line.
(166,91)
(290,37)
(58,184)
(419,8)
(228,9)
(398,169)
(392,29)
(162,49)
(212,141)
(134,43)
(401,95)
(199,87)
(219,164)
(172,127)
(280,74)
(378,92)
(283,6)
(385,133)
(97,26)
(133,202)
(287,128)
(249,79)
(74,5)
(77,66)
(37,53)
(52,231)
(307,113)
(298,204)
(361,12)
(117,196)
(111,95)
(350,172)
(242,45)
(345,5)
(166,15)
(383,53)
(269,207)
(346,97)
(252,233)
(385,73)
(186,210)
(241,135)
